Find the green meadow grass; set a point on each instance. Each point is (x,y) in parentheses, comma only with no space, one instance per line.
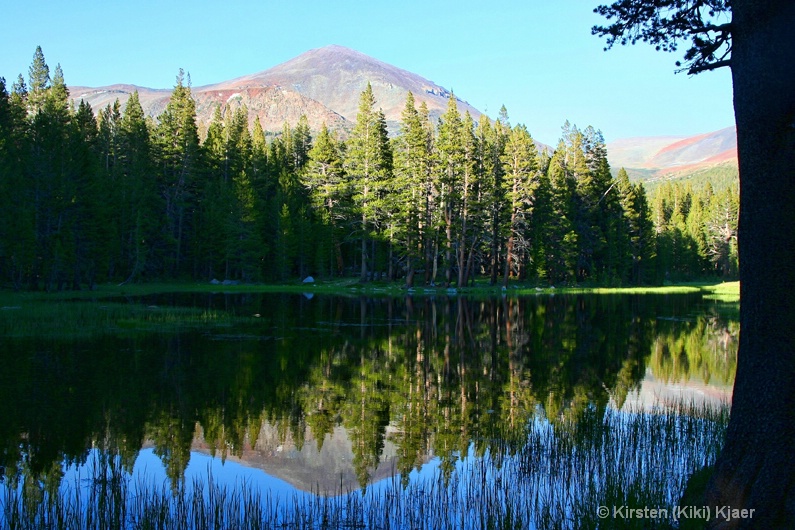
(723,292)
(730,290)
(65,319)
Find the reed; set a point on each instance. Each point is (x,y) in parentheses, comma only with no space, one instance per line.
(559,478)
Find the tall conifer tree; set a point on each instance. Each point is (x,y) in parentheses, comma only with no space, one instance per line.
(450,148)
(179,162)
(17,224)
(324,177)
(368,164)
(141,237)
(520,164)
(412,190)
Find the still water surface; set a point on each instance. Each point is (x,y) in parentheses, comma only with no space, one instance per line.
(300,393)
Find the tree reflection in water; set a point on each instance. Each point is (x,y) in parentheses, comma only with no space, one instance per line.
(397,383)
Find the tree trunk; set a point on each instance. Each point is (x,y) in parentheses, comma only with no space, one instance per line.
(470,263)
(511,241)
(435,262)
(374,275)
(507,270)
(390,275)
(494,249)
(410,276)
(363,274)
(462,238)
(338,256)
(448,251)
(756,469)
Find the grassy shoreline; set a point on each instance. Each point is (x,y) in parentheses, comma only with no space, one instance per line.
(354,287)
(118,309)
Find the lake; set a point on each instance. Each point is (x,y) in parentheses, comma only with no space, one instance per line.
(308,400)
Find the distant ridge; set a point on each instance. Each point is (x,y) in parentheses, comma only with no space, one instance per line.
(657,157)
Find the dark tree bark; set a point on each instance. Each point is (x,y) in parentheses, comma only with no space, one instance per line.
(756,469)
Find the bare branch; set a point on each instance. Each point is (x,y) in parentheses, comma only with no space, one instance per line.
(721,28)
(706,67)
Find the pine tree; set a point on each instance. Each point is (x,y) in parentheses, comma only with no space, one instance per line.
(430,194)
(259,159)
(520,165)
(229,216)
(92,216)
(49,117)
(263,183)
(368,165)
(603,213)
(411,191)
(39,81)
(17,225)
(450,148)
(300,143)
(110,167)
(58,93)
(217,208)
(638,227)
(468,235)
(542,247)
(562,247)
(325,179)
(214,146)
(489,171)
(141,237)
(179,161)
(721,231)
(246,242)
(583,200)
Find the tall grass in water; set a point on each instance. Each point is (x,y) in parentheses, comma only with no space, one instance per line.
(85,319)
(558,479)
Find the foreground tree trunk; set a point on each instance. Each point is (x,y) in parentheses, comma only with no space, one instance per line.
(756,469)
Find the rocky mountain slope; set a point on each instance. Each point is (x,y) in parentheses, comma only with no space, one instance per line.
(335,76)
(324,84)
(327,467)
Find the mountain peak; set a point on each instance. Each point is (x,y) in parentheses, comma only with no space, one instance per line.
(323,83)
(324,61)
(336,49)
(335,75)
(335,52)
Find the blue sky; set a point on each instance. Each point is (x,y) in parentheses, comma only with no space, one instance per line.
(536,57)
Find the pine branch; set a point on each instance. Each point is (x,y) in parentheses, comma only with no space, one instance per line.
(721,28)
(706,67)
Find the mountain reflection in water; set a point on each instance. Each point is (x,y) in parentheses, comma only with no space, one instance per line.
(332,393)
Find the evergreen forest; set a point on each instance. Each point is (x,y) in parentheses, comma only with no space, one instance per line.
(119,196)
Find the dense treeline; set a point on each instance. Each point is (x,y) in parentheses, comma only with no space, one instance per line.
(696,230)
(122,197)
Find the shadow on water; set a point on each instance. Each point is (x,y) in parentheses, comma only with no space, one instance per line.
(331,394)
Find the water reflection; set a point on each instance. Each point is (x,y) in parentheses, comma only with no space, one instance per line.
(343,391)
